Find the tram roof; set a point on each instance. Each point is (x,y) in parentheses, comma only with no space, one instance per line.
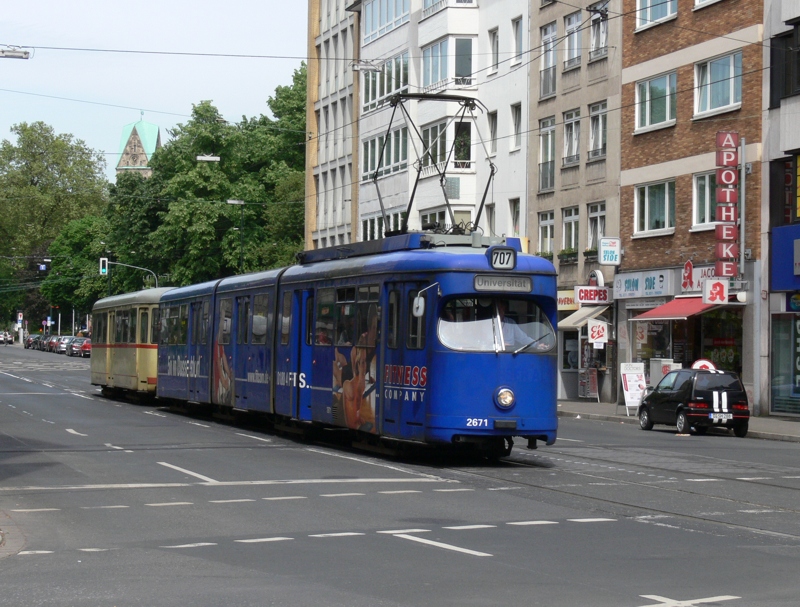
(147,296)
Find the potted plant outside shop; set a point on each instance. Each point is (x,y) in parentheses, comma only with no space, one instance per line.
(568,256)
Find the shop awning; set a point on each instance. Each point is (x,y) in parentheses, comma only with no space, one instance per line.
(679,308)
(576,320)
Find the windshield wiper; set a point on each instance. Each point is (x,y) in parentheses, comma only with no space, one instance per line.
(529,344)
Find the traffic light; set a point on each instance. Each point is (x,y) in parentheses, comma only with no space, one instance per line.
(103,266)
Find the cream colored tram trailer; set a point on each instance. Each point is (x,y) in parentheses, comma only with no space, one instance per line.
(125,341)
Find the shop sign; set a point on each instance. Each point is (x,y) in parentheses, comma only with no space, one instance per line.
(597,330)
(650,283)
(715,291)
(609,253)
(592,295)
(693,277)
(703,363)
(566,300)
(793,302)
(727,251)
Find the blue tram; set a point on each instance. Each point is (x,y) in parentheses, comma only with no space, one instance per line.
(418,337)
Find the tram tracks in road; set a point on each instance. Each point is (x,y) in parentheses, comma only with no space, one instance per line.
(651,513)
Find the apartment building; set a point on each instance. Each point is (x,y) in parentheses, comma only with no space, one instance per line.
(332,115)
(692,69)
(780,212)
(575,61)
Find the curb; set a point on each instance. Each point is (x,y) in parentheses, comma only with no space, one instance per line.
(633,420)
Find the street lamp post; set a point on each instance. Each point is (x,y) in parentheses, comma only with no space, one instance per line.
(241,203)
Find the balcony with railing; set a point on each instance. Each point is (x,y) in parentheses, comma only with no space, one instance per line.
(547,82)
(435,7)
(598,53)
(456,83)
(455,166)
(571,160)
(547,176)
(598,153)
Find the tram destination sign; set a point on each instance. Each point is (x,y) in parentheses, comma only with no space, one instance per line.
(506,284)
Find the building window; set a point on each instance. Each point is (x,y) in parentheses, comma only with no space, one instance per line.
(395,154)
(490,219)
(597,225)
(434,144)
(572,137)
(516,125)
(464,62)
(434,63)
(547,228)
(718,83)
(547,153)
(597,129)
(656,101)
(513,210)
(494,50)
(570,228)
(462,149)
(393,78)
(380,17)
(705,199)
(434,219)
(492,117)
(652,11)
(572,42)
(547,75)
(516,32)
(655,206)
(599,31)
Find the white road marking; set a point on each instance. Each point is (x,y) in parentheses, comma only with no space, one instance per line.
(781,477)
(229,501)
(592,520)
(757,511)
(285,497)
(343,534)
(199,424)
(399,492)
(452,490)
(47,421)
(93,549)
(703,480)
(534,523)
(467,527)
(421,540)
(197,545)
(266,440)
(170,504)
(401,531)
(75,432)
(37,510)
(264,539)
(103,507)
(340,494)
(569,440)
(504,488)
(189,472)
(665,602)
(754,478)
(36,552)
(110,446)
(377,463)
(154,413)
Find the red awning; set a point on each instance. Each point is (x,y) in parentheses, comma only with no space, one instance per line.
(679,308)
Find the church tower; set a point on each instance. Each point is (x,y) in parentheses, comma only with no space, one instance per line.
(139,141)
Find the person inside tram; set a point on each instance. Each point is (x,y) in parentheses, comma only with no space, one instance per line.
(514,337)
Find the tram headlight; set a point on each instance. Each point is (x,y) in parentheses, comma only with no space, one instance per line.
(504,397)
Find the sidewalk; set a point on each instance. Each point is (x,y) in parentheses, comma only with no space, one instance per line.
(772,428)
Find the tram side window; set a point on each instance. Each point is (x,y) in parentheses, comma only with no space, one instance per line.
(163,325)
(99,329)
(155,328)
(195,321)
(143,326)
(121,326)
(242,319)
(325,318)
(310,320)
(394,319)
(415,339)
(204,323)
(260,319)
(183,324)
(286,318)
(345,316)
(367,316)
(132,326)
(225,316)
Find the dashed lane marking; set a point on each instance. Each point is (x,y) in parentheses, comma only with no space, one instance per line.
(341,494)
(285,497)
(260,540)
(399,492)
(401,531)
(265,440)
(592,520)
(197,545)
(230,501)
(452,490)
(522,523)
(37,510)
(341,534)
(75,432)
(114,507)
(163,504)
(469,527)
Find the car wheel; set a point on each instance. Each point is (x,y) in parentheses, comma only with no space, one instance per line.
(645,423)
(682,424)
(740,431)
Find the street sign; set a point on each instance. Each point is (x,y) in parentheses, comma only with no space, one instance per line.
(610,252)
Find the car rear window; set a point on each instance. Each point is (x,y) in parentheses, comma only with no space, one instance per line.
(718,381)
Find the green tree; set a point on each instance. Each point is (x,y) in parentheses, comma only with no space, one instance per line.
(46,180)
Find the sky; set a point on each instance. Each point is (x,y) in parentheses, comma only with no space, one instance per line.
(92,95)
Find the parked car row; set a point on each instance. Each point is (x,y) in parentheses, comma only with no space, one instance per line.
(60,344)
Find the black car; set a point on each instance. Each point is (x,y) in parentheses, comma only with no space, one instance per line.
(696,400)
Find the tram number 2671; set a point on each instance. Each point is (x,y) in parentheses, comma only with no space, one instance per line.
(477,422)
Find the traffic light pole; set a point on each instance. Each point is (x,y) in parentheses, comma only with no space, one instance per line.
(105,268)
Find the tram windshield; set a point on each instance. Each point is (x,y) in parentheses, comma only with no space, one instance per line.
(495,324)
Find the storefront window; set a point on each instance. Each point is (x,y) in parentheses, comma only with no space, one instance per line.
(784,375)
(651,340)
(722,338)
(571,355)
